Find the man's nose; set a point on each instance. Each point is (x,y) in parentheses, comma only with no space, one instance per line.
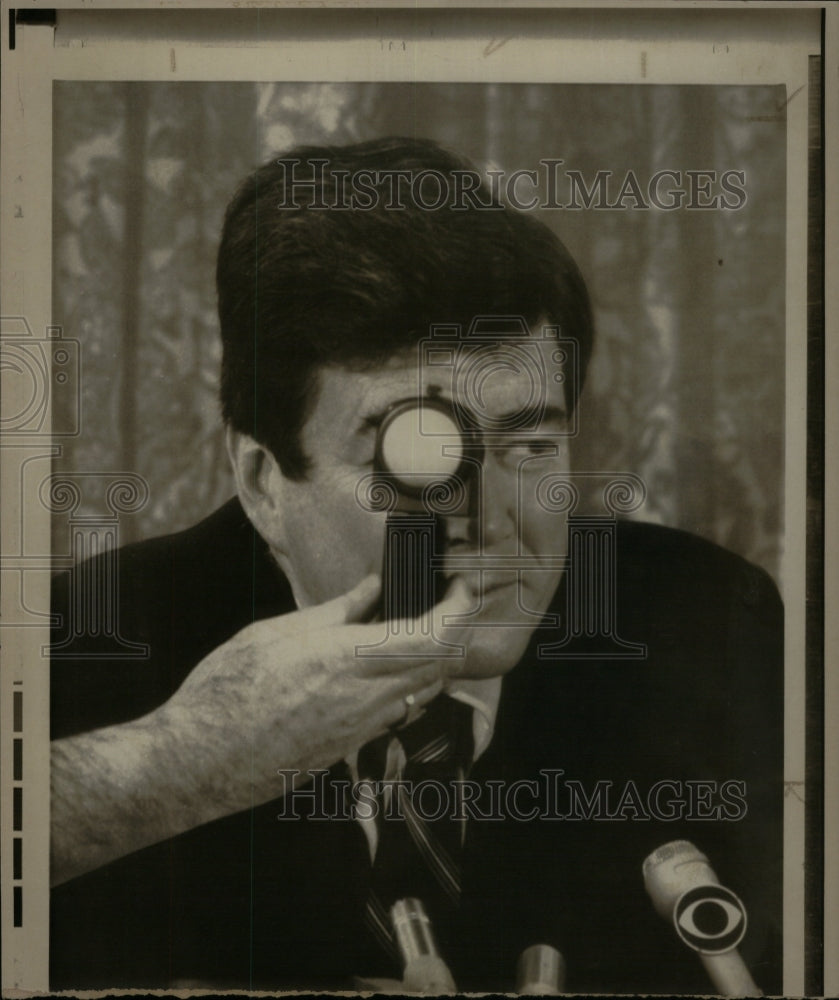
(496,514)
(497,518)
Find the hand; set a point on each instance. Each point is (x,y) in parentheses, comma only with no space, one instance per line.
(292,693)
(285,693)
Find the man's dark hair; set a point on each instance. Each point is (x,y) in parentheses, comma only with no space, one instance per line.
(302,285)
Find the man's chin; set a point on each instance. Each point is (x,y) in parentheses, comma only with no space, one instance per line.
(492,651)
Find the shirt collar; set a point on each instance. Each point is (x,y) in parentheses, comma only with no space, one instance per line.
(483,694)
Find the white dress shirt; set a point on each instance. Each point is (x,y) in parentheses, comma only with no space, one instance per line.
(483,695)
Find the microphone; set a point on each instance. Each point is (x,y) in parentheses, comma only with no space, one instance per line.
(708,917)
(425,971)
(540,971)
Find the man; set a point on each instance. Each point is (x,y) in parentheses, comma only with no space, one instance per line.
(208,826)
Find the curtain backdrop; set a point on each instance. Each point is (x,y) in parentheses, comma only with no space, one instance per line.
(686,389)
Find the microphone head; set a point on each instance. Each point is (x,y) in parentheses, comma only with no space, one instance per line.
(671,870)
(540,971)
(708,917)
(414,934)
(424,969)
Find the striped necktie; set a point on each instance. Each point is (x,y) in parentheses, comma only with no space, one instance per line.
(420,826)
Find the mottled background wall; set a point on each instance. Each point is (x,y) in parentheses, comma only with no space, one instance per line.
(687,385)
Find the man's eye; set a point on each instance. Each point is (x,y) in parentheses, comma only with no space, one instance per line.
(543,447)
(538,446)
(519,448)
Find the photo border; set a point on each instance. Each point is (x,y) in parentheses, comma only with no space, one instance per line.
(108,43)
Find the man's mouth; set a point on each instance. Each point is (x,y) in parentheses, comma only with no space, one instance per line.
(484,583)
(492,585)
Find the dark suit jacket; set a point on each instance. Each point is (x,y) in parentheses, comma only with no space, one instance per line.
(252,901)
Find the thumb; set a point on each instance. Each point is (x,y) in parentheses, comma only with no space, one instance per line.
(355,605)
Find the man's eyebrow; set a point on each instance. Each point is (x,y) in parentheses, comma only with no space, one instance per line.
(526,421)
(372,421)
(533,417)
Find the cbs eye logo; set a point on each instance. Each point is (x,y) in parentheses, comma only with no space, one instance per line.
(710,919)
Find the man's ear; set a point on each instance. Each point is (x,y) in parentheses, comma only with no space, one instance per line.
(260,485)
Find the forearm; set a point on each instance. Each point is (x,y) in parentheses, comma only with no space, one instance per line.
(120,789)
(283,694)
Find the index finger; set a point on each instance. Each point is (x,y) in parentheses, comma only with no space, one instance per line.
(388,647)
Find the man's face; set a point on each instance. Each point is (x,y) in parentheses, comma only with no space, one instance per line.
(331,541)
